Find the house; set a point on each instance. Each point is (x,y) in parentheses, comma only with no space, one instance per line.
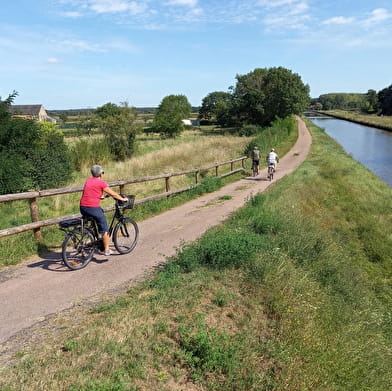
(36,112)
(191,122)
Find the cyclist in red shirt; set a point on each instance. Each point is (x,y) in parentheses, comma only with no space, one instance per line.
(90,202)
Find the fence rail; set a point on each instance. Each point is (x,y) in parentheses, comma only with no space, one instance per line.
(32,196)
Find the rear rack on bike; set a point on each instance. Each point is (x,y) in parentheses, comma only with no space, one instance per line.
(69,223)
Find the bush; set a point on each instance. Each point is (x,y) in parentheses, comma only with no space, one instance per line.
(227,248)
(32,156)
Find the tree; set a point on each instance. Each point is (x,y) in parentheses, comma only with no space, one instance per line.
(119,128)
(108,110)
(385,100)
(268,93)
(170,113)
(88,124)
(214,104)
(33,154)
(371,101)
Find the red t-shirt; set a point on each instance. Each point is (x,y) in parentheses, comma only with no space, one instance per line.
(92,192)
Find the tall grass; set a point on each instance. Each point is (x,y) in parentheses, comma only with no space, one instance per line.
(157,156)
(287,295)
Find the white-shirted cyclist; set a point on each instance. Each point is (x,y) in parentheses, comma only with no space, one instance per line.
(272,158)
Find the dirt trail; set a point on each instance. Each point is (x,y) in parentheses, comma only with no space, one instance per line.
(31,292)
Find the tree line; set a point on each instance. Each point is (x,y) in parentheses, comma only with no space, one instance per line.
(372,102)
(34,155)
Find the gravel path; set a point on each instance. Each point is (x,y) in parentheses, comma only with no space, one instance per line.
(37,290)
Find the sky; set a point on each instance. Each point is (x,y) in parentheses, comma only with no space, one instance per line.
(69,54)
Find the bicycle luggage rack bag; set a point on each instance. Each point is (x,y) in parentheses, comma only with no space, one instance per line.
(69,223)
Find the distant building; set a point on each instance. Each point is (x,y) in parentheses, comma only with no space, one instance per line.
(191,122)
(36,112)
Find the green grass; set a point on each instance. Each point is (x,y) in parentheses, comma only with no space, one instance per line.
(155,156)
(292,293)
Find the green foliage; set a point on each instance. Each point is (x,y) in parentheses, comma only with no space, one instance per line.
(32,155)
(108,110)
(50,159)
(371,102)
(206,350)
(272,136)
(218,250)
(258,98)
(385,100)
(4,106)
(343,101)
(214,104)
(120,129)
(265,94)
(171,111)
(86,152)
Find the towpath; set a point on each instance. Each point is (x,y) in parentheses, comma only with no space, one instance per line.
(34,291)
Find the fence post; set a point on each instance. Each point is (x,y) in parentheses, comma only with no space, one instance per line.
(34,213)
(197,176)
(231,166)
(216,170)
(122,189)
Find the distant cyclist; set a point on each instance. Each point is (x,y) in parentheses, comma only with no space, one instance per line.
(272,158)
(256,158)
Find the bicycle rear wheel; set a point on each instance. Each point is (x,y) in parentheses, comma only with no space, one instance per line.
(125,235)
(78,248)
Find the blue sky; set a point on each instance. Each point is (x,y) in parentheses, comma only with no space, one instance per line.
(85,53)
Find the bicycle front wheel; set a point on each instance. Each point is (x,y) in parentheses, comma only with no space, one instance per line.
(78,248)
(125,235)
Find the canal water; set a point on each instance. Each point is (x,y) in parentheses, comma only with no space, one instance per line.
(370,146)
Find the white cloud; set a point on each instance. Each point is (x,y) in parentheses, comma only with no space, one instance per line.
(53,60)
(72,14)
(378,15)
(339,20)
(190,3)
(114,6)
(275,3)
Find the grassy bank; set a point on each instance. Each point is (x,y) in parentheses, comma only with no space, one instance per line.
(154,156)
(374,120)
(293,293)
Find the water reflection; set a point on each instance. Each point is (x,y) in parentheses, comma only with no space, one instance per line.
(371,147)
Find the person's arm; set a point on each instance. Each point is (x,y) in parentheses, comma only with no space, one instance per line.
(113,194)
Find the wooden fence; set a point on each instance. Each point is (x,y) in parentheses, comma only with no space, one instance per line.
(32,196)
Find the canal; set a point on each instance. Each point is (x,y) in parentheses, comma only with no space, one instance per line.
(370,146)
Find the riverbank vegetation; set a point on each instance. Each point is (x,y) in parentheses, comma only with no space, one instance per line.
(377,121)
(292,293)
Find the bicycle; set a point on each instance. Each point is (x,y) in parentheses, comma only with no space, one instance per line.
(82,238)
(271,170)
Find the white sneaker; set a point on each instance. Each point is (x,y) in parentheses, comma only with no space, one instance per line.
(108,252)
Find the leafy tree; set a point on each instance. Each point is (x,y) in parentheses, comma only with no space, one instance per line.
(108,110)
(268,93)
(51,162)
(88,124)
(170,113)
(342,101)
(32,155)
(371,101)
(214,104)
(5,105)
(385,100)
(120,129)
